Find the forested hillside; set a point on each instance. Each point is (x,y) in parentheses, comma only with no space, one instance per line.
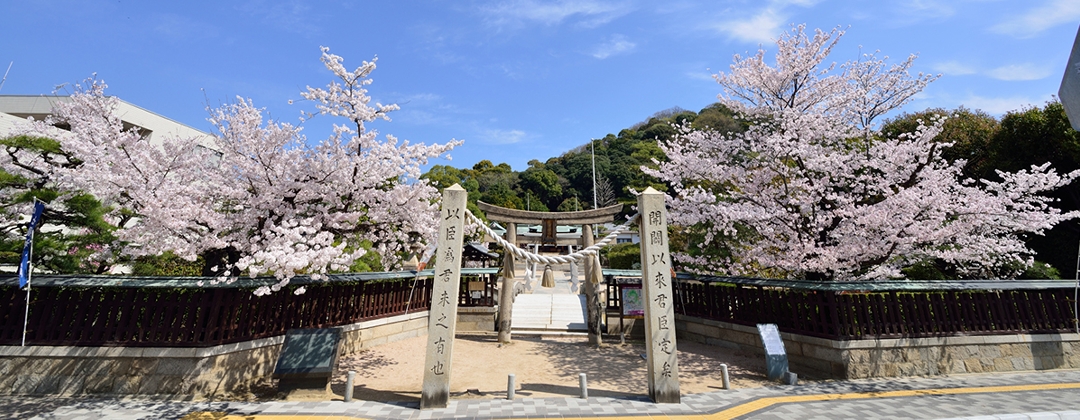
(564,183)
(987,144)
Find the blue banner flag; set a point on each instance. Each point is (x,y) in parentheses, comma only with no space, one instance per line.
(24,265)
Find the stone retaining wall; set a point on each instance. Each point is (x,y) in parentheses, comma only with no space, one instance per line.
(876,358)
(476,319)
(185,373)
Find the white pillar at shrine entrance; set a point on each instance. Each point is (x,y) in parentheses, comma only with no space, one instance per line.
(661,354)
(442,318)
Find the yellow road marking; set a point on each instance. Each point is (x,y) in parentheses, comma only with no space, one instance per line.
(221,416)
(759,404)
(730,413)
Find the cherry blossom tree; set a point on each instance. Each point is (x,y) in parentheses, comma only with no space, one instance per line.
(98,156)
(813,190)
(306,209)
(261,199)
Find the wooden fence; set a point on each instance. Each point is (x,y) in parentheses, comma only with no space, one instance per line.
(886,309)
(179,312)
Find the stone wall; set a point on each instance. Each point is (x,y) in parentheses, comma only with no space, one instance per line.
(368,334)
(876,358)
(476,319)
(184,373)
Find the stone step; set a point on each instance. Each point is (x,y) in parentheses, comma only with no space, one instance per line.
(548,313)
(550,333)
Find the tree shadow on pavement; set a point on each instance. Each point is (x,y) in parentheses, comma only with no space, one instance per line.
(24,407)
(623,367)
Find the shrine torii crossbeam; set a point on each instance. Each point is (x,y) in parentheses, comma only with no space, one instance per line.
(548,222)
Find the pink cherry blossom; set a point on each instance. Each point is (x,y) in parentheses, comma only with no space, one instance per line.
(287,205)
(813,190)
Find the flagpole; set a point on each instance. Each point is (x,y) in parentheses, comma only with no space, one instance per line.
(29,272)
(29,276)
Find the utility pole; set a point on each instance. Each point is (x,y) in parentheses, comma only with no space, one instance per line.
(592,144)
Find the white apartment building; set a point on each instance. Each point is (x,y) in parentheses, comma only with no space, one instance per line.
(153,127)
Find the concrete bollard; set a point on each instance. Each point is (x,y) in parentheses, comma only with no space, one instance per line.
(584,386)
(349,380)
(510,386)
(790,378)
(724,376)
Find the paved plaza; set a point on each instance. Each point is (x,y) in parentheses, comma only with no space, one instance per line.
(1038,395)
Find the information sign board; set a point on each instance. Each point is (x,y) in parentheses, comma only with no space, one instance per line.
(308,353)
(776,362)
(632,303)
(770,337)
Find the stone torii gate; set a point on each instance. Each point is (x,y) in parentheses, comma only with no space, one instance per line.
(549,221)
(661,353)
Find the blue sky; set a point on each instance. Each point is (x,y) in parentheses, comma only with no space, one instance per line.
(517,80)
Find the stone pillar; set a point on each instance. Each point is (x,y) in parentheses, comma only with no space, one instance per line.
(442,318)
(575,282)
(663,363)
(506,291)
(593,309)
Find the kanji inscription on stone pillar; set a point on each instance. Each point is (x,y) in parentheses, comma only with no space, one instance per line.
(442,318)
(656,282)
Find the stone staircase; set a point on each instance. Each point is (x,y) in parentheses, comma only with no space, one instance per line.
(555,310)
(549,314)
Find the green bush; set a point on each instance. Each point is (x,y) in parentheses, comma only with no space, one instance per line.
(1040,271)
(622,256)
(166,264)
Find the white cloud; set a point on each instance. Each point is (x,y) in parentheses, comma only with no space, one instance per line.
(437,42)
(764,25)
(292,16)
(421,97)
(930,8)
(618,44)
(999,106)
(588,13)
(1019,72)
(499,137)
(420,117)
(954,68)
(762,28)
(1040,18)
(1009,73)
(701,75)
(427,109)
